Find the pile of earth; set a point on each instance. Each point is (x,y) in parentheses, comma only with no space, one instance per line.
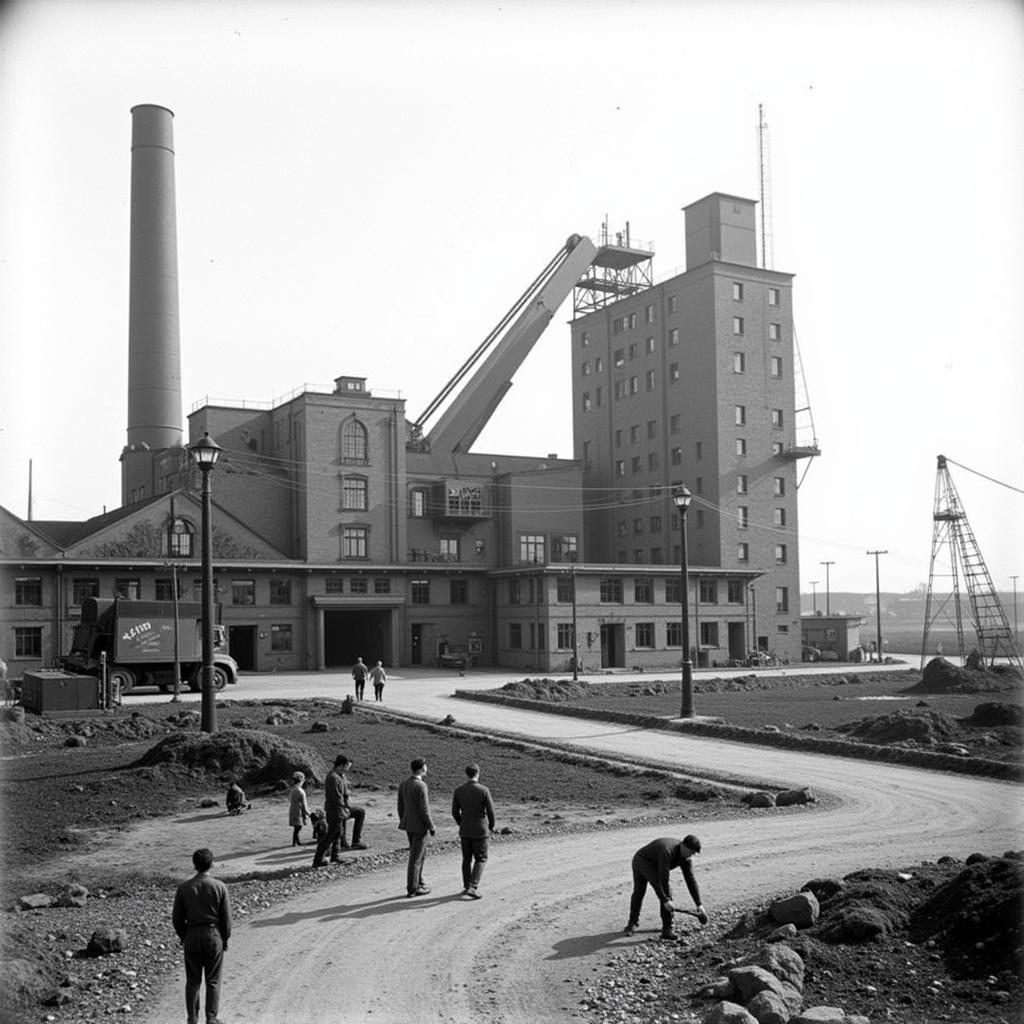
(990,725)
(555,690)
(942,676)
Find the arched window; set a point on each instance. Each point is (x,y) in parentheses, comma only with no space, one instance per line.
(353,442)
(179,538)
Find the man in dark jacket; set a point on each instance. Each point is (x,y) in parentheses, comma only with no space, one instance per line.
(473,811)
(202,921)
(651,866)
(359,673)
(414,819)
(338,810)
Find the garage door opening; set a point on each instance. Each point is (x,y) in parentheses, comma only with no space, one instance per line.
(356,634)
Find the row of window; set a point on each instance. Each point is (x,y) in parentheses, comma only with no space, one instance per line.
(737,293)
(739,365)
(739,329)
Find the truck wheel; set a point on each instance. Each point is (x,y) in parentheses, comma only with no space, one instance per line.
(122,679)
(220,677)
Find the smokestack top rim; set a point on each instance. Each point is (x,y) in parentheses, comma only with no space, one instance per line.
(151,106)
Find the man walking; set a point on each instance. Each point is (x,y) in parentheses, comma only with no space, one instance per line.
(414,819)
(338,810)
(473,811)
(202,921)
(359,671)
(651,866)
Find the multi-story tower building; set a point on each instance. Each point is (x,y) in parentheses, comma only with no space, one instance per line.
(691,381)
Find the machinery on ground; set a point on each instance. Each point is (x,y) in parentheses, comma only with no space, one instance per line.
(142,640)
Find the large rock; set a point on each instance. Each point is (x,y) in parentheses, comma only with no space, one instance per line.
(36,901)
(728,1013)
(760,799)
(801,909)
(72,895)
(792,797)
(785,963)
(823,888)
(769,1008)
(817,1014)
(748,981)
(107,940)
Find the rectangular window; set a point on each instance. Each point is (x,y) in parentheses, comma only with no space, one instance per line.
(741,483)
(585,368)
(353,493)
(734,591)
(354,541)
(382,585)
(782,599)
(28,590)
(673,337)
(638,525)
(656,556)
(673,634)
(652,460)
(709,634)
(619,357)
(634,384)
(359,585)
(699,483)
(650,380)
(563,636)
(611,591)
(649,345)
(618,438)
(632,350)
(563,589)
(458,592)
(129,589)
(643,590)
(777,448)
(773,296)
(515,636)
(779,517)
(741,446)
(737,291)
(780,554)
(532,548)
(775,367)
(638,556)
(634,434)
(777,419)
(620,389)
(622,528)
(448,548)
(83,587)
(28,641)
(644,634)
(677,456)
(698,450)
(243,592)
(620,467)
(281,637)
(739,362)
(515,591)
(671,303)
(737,325)
(280,591)
(419,591)
(740,416)
(417,502)
(675,423)
(584,340)
(164,588)
(775,332)
(587,404)
(635,464)
(742,516)
(649,314)
(673,590)
(655,524)
(652,429)
(632,319)
(743,552)
(707,591)
(334,585)
(564,547)
(598,364)
(778,486)
(673,373)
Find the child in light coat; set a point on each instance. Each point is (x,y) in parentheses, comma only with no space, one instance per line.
(298,809)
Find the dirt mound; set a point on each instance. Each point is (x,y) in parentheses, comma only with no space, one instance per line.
(942,676)
(248,755)
(994,714)
(975,919)
(555,690)
(927,728)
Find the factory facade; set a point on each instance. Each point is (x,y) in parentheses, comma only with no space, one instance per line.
(341,529)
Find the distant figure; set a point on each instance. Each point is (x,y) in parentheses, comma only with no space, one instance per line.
(473,811)
(359,671)
(651,866)
(202,921)
(378,677)
(235,799)
(414,819)
(298,808)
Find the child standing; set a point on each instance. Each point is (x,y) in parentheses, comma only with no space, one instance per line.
(298,809)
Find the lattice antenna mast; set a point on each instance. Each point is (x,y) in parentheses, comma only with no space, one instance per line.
(765,179)
(955,549)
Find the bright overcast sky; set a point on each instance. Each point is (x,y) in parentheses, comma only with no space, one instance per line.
(365,188)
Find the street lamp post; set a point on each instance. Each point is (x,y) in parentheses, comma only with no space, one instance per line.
(682,499)
(206,451)
(828,589)
(878,606)
(177,646)
(575,640)
(753,615)
(814,594)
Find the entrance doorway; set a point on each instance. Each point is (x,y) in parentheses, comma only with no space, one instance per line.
(612,646)
(737,641)
(359,633)
(242,646)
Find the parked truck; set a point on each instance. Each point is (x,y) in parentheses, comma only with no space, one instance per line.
(138,638)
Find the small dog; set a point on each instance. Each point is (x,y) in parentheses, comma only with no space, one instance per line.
(318,819)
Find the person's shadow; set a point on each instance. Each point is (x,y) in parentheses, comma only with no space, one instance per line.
(582,945)
(373,908)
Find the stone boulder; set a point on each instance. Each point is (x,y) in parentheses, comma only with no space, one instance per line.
(769,1008)
(823,888)
(107,940)
(728,1013)
(72,895)
(36,901)
(794,797)
(785,963)
(748,981)
(780,934)
(761,799)
(801,909)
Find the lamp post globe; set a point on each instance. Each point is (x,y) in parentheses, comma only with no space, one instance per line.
(682,498)
(205,452)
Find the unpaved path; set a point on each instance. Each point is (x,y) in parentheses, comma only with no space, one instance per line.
(359,950)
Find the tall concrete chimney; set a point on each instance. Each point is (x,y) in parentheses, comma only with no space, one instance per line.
(154,350)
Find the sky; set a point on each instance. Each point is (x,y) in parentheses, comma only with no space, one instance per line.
(366,188)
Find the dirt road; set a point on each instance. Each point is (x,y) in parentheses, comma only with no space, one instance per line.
(554,908)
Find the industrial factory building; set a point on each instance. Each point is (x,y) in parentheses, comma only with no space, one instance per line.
(341,527)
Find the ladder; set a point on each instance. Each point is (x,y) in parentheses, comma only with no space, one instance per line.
(952,536)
